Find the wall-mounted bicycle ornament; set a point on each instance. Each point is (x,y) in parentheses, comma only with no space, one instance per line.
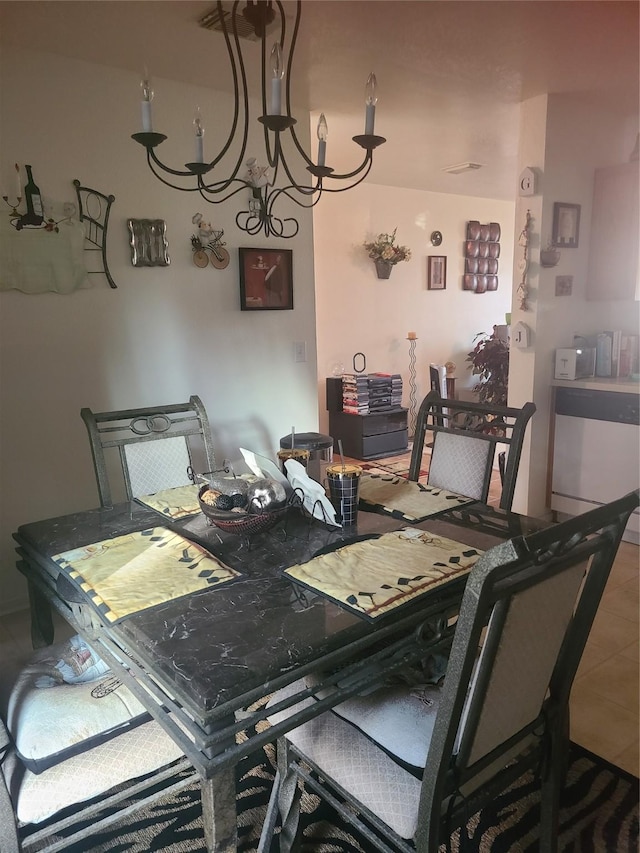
(208,246)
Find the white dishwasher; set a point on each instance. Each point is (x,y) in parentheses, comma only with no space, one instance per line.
(596,454)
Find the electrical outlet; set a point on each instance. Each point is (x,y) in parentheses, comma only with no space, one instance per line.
(299,351)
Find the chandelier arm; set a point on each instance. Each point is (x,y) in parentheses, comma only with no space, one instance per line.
(252,230)
(168,183)
(306,204)
(292,51)
(236,90)
(205,190)
(151,155)
(301,188)
(274,225)
(367,163)
(354,184)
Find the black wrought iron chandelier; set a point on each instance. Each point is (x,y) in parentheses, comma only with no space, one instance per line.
(249,174)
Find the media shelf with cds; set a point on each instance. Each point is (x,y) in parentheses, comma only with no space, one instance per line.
(366,415)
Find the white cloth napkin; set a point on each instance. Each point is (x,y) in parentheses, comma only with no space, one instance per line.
(311,492)
(264,467)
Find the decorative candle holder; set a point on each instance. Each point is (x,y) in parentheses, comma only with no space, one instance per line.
(13,205)
(413,414)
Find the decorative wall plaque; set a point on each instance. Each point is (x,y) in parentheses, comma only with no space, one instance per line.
(481,253)
(149,247)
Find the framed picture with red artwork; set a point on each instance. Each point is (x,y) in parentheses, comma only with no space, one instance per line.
(266,279)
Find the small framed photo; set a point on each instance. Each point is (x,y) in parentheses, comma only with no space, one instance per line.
(266,279)
(436,272)
(564,285)
(566,225)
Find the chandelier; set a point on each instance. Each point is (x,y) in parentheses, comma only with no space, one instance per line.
(269,180)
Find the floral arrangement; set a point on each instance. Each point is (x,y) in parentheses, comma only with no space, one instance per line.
(384,248)
(489,359)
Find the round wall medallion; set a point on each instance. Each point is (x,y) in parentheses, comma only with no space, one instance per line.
(436,238)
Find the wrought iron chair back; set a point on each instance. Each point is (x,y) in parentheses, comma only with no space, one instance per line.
(464,437)
(525,617)
(154,447)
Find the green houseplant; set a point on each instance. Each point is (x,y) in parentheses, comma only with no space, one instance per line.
(489,359)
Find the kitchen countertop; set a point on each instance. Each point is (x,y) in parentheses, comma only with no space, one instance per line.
(597,383)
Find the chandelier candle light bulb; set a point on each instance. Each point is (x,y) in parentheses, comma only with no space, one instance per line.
(322,139)
(277,73)
(147,97)
(371,99)
(197,123)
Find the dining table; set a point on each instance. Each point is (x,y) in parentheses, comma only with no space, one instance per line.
(203,662)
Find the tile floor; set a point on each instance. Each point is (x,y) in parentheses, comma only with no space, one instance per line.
(604,701)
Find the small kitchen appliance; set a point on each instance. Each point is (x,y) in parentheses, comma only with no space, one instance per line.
(575,362)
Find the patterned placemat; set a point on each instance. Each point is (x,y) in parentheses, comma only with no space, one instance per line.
(406,499)
(376,575)
(174,503)
(130,573)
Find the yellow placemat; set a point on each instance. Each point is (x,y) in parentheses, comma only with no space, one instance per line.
(406,499)
(139,570)
(376,575)
(174,503)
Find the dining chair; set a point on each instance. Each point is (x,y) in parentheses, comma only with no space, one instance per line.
(408,765)
(73,751)
(464,437)
(150,448)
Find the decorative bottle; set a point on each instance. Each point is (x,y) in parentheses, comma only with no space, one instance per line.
(33,199)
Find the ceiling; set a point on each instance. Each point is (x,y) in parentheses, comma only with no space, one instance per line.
(450,73)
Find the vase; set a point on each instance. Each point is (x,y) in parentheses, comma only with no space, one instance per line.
(549,257)
(383,268)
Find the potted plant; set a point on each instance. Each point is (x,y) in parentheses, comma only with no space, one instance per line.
(385,253)
(489,359)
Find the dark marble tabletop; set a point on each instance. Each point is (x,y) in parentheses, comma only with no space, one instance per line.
(214,648)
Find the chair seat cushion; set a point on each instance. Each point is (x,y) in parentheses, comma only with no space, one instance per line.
(51,719)
(353,761)
(133,754)
(400,719)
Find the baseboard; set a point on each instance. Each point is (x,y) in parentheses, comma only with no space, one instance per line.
(13,605)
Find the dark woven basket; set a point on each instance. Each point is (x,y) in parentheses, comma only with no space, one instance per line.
(243,523)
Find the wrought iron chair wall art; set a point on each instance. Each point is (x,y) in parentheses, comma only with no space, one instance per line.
(93,210)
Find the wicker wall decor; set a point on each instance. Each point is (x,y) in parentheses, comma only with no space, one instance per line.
(481,253)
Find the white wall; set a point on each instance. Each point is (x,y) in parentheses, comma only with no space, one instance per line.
(165,333)
(357,312)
